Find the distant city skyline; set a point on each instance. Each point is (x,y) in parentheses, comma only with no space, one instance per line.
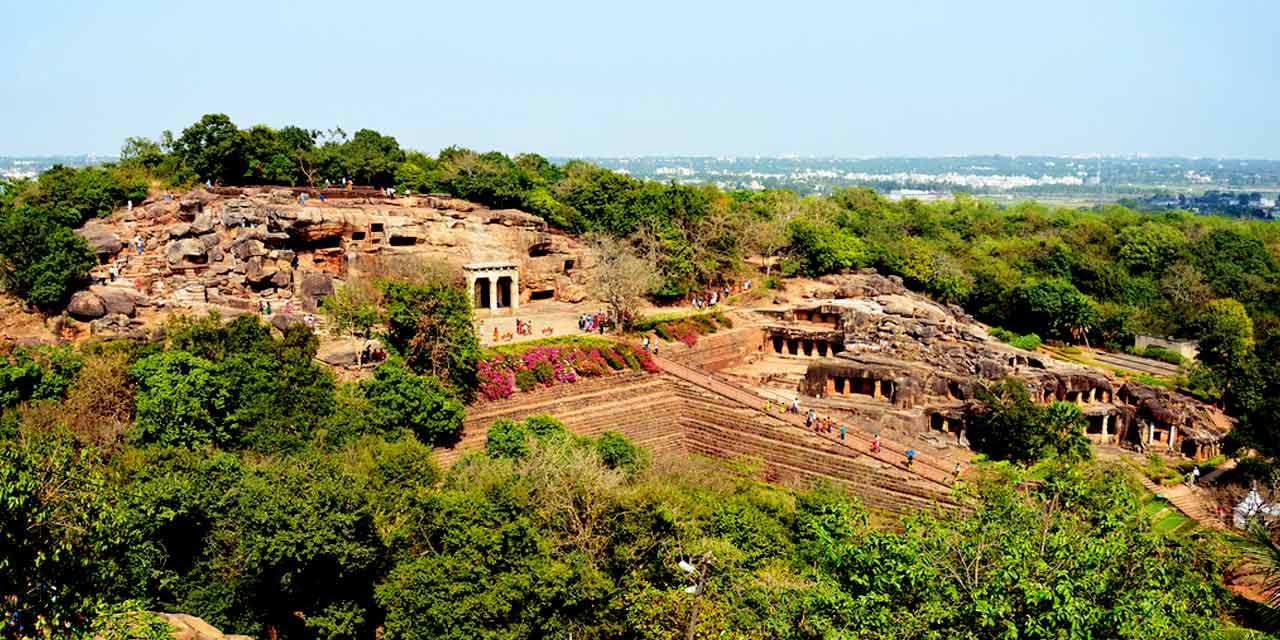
(716,79)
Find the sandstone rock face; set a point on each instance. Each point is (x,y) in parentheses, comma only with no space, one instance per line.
(346,352)
(908,356)
(233,248)
(187,249)
(86,306)
(189,627)
(101,240)
(119,300)
(119,327)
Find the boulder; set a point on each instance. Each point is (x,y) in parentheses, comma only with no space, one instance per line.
(283,320)
(340,353)
(282,278)
(313,285)
(249,248)
(179,230)
(345,352)
(119,299)
(118,327)
(86,306)
(202,224)
(102,241)
(257,272)
(189,249)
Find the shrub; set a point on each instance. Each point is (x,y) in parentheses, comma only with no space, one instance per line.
(617,452)
(526,380)
(1029,342)
(1163,355)
(507,439)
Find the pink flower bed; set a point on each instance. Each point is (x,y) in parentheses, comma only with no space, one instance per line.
(501,374)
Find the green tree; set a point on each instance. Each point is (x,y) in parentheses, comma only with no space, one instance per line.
(400,399)
(39,260)
(430,324)
(1056,308)
(1012,427)
(212,149)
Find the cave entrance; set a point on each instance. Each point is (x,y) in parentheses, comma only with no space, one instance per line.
(542,294)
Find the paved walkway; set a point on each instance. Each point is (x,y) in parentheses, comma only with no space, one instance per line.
(856,439)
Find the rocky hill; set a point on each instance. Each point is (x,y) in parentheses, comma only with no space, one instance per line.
(236,249)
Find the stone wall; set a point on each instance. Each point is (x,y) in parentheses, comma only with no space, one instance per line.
(719,350)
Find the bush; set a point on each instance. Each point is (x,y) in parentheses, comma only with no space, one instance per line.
(526,380)
(617,452)
(1163,355)
(507,439)
(1029,342)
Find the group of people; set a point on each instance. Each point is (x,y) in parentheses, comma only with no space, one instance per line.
(820,424)
(589,322)
(650,346)
(524,327)
(712,297)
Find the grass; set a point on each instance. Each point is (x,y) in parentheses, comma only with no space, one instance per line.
(554,341)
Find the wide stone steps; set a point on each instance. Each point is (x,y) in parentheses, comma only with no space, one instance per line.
(787,461)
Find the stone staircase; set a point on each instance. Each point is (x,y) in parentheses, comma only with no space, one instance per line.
(891,453)
(723,428)
(1189,500)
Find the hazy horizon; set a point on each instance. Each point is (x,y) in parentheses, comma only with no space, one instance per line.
(818,80)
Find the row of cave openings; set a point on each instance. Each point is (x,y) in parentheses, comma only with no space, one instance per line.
(857,385)
(807,347)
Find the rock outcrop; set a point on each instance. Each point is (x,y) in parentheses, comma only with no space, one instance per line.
(241,246)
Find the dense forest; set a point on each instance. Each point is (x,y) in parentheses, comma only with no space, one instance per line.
(223,473)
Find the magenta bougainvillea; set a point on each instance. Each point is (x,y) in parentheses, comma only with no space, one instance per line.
(548,365)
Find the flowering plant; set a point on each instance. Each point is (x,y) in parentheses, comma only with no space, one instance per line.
(500,374)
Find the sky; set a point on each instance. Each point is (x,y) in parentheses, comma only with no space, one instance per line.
(840,78)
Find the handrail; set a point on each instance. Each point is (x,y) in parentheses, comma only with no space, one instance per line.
(753,401)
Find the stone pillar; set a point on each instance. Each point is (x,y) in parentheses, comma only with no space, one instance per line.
(1173,436)
(875,388)
(493,294)
(515,291)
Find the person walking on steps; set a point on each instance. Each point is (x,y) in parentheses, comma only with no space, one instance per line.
(911,457)
(842,430)
(875,444)
(955,475)
(1195,476)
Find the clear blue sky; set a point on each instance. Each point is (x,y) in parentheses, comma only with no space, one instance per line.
(655,78)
